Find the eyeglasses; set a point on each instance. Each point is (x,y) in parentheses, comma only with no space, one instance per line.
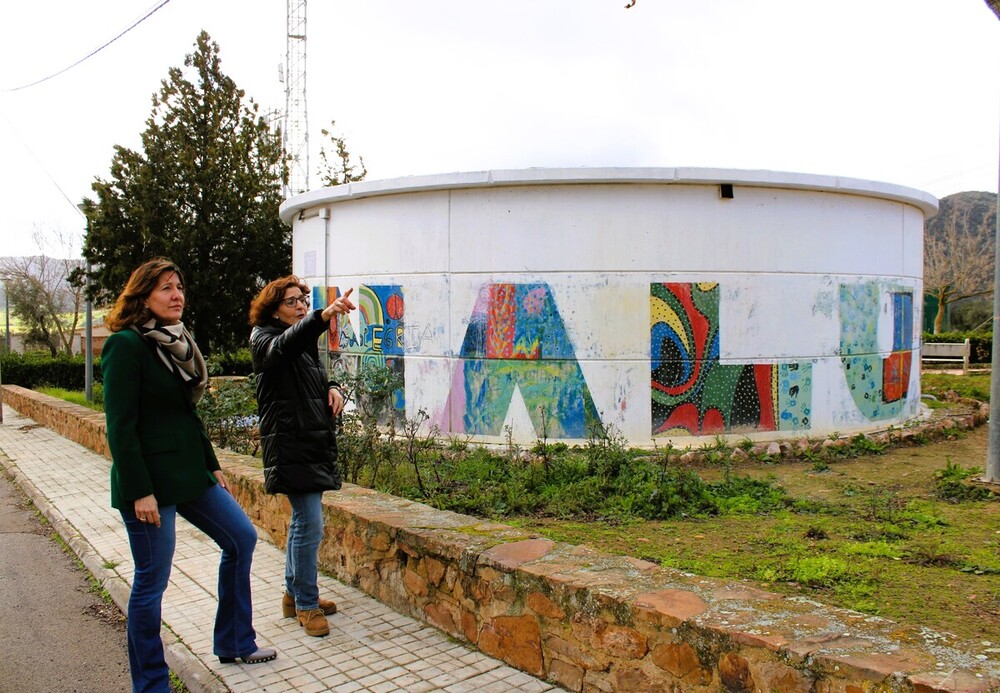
(290,302)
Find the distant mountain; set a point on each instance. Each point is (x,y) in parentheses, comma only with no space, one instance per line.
(971,212)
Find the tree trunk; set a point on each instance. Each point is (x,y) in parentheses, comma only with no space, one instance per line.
(942,308)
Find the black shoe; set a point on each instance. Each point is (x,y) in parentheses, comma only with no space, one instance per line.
(262,654)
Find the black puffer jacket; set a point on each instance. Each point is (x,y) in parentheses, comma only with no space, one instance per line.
(296,424)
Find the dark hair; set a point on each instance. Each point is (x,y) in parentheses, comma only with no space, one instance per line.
(263,307)
(130,306)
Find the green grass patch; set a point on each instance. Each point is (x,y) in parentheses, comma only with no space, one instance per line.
(973,385)
(76,397)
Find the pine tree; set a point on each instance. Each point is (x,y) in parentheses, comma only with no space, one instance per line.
(204,191)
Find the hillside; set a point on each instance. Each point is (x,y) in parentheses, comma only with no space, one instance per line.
(970,212)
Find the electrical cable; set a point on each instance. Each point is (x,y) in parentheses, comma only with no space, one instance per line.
(42,166)
(95,51)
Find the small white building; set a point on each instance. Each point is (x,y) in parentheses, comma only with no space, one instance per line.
(659,304)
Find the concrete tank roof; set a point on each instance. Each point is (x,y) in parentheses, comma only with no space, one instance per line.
(291,207)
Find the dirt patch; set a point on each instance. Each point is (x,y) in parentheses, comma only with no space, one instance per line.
(868,533)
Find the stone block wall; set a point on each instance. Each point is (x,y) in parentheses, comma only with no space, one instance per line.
(80,424)
(587,620)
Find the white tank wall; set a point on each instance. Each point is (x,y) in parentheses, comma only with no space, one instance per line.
(805,268)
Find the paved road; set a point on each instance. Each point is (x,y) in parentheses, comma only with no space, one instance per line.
(56,634)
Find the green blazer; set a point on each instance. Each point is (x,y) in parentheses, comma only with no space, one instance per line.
(158,443)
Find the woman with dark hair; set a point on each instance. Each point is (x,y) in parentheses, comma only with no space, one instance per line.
(297,403)
(163,465)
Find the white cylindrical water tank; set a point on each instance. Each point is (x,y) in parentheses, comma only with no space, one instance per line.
(653,304)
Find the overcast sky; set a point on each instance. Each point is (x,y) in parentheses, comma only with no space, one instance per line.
(897,91)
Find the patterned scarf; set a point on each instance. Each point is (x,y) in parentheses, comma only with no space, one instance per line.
(179,354)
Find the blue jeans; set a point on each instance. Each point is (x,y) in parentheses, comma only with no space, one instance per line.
(304,535)
(219,516)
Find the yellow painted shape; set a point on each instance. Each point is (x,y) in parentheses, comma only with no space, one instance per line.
(659,311)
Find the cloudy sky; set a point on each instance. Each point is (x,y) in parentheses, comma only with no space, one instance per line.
(898,91)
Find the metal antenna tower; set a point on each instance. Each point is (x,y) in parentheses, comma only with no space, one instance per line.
(296,132)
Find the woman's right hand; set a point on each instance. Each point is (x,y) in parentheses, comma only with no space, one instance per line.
(341,306)
(146,510)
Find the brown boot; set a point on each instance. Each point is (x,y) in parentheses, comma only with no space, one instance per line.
(288,606)
(314,622)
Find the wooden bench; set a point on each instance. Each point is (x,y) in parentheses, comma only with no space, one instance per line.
(948,352)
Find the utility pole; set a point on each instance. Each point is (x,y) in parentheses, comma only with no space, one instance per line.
(993,451)
(6,304)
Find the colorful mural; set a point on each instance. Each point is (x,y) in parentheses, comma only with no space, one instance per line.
(879,386)
(516,339)
(692,393)
(379,340)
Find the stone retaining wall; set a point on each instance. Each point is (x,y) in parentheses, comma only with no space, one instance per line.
(587,620)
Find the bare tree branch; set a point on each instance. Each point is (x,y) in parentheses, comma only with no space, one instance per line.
(957,264)
(42,297)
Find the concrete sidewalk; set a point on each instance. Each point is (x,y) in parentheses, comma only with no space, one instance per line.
(370,646)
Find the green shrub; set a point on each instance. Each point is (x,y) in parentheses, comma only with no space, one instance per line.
(950,484)
(229,410)
(36,369)
(237,362)
(981,343)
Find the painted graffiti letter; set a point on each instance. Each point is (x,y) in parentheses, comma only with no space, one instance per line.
(517,339)
(693,394)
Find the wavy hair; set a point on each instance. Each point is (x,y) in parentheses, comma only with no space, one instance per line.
(263,306)
(130,306)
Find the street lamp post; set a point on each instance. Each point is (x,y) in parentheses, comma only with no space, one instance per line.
(88,358)
(88,330)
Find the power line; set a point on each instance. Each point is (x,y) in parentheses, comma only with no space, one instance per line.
(41,165)
(96,50)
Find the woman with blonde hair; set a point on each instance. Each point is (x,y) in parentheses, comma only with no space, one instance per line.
(297,404)
(163,465)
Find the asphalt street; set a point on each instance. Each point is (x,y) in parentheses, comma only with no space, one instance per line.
(56,635)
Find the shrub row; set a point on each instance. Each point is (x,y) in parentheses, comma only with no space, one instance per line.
(230,363)
(981,343)
(35,369)
(39,369)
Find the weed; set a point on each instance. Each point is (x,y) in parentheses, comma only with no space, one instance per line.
(877,503)
(819,571)
(818,463)
(953,432)
(858,594)
(413,445)
(176,685)
(863,445)
(718,443)
(816,533)
(512,447)
(456,444)
(872,549)
(932,552)
(950,484)
(110,565)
